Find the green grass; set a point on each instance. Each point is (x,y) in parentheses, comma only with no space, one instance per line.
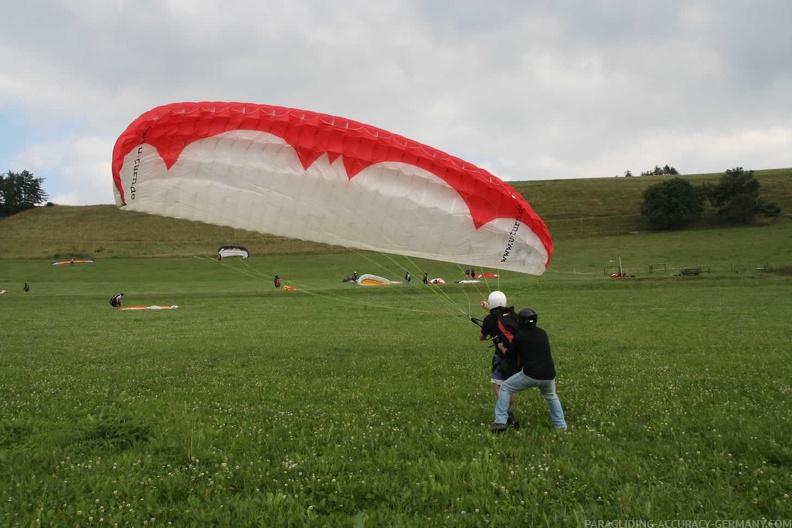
(337,405)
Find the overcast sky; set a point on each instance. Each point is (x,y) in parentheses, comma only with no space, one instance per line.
(529,90)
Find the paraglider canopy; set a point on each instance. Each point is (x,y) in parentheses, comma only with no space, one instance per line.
(326,179)
(232,251)
(367,279)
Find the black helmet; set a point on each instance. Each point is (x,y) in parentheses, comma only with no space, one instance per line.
(527,316)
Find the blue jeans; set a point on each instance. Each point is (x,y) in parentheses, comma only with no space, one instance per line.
(520,382)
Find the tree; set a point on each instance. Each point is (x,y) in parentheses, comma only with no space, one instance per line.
(666,170)
(736,197)
(20,191)
(672,204)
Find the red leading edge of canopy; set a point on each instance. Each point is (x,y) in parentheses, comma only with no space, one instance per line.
(171,128)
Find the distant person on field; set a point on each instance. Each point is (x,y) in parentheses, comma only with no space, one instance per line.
(276,281)
(115,301)
(426,277)
(533,346)
(407,277)
(27,287)
(491,328)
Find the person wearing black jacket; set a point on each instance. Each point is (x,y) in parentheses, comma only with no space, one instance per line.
(533,346)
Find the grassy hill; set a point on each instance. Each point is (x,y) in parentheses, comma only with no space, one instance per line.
(583,215)
(607,206)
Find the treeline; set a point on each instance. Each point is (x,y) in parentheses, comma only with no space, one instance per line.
(677,203)
(657,171)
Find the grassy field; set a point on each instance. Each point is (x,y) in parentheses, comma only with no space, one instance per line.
(337,405)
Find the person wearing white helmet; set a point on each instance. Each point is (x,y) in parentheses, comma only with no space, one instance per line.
(499,325)
(538,370)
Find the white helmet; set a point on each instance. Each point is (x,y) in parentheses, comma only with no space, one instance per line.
(496,299)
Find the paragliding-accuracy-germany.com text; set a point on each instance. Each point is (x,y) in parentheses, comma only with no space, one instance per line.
(690,523)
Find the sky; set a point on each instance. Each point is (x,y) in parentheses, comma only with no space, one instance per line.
(528,90)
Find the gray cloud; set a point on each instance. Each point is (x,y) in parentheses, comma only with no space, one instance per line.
(538,90)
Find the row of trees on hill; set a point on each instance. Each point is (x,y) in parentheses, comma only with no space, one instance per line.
(20,191)
(657,171)
(676,203)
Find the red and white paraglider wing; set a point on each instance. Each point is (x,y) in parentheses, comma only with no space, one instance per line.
(325,179)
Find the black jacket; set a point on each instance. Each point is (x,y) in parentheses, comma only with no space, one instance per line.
(533,345)
(501,325)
